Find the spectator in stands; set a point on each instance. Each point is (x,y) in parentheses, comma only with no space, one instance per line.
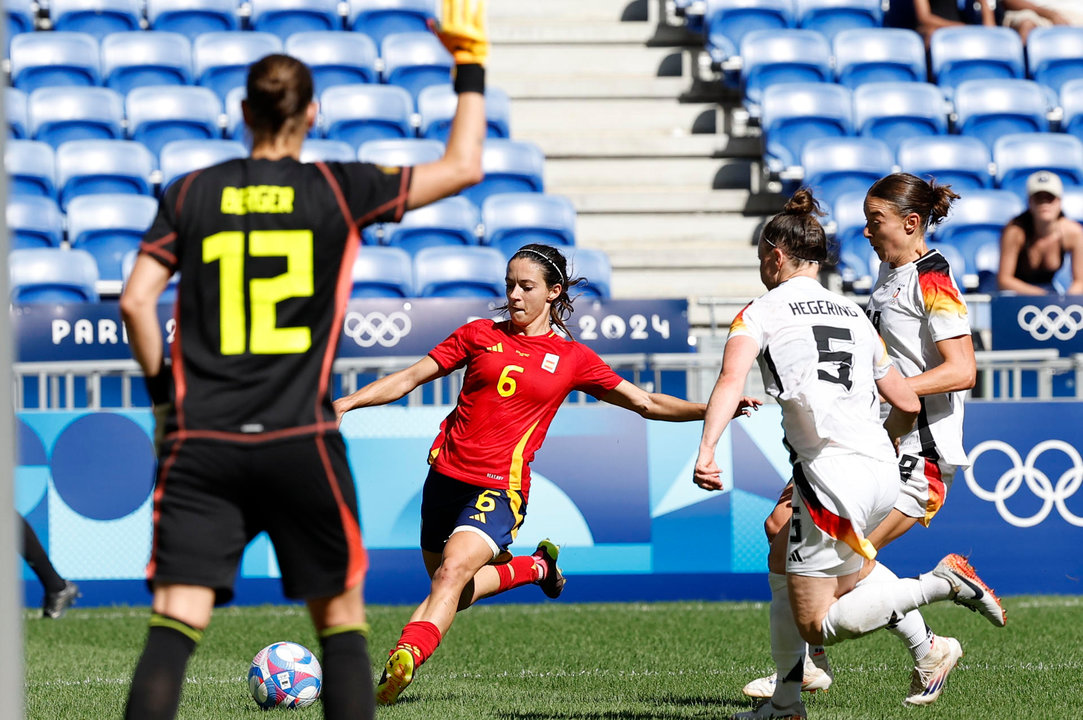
(265,248)
(931,15)
(1025,15)
(1034,245)
(518,372)
(822,359)
(60,594)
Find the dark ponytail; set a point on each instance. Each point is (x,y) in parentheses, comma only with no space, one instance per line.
(910,194)
(797,230)
(279,92)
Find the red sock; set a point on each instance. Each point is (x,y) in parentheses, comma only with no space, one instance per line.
(420,638)
(520,570)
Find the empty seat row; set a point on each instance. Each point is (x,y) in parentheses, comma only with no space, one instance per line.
(82,167)
(794,113)
(1054,56)
(57,275)
(220,60)
(375,18)
(157,114)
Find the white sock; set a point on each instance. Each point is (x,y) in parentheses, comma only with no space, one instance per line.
(912,629)
(871,606)
(787,645)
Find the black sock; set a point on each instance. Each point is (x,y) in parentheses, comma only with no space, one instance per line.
(347,675)
(38,560)
(159,676)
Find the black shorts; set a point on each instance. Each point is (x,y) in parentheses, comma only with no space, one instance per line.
(213,497)
(448,505)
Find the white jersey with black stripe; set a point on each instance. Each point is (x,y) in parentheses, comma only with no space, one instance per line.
(820,357)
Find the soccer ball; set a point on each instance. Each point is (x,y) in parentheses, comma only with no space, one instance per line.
(285,674)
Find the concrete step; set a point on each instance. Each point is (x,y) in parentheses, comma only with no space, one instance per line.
(568,32)
(701,173)
(622,60)
(693,282)
(586,84)
(727,233)
(608,145)
(582,10)
(653,199)
(641,117)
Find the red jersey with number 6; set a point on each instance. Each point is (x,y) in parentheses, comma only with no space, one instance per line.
(265,250)
(513,386)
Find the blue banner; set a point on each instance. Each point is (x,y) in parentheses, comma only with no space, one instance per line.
(614,490)
(1046,321)
(372,327)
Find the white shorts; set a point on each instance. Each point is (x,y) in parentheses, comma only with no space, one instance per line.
(925,484)
(837,501)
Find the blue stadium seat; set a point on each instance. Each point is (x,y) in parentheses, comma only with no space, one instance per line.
(183,156)
(1055,55)
(894,111)
(469,271)
(415,60)
(976,221)
(401,153)
(727,22)
(509,166)
(512,220)
(594,266)
(962,162)
(96,17)
(85,167)
(51,59)
(1017,156)
(778,56)
(109,226)
(335,58)
(52,275)
(856,260)
(34,221)
(356,114)
(794,113)
(451,221)
(60,114)
(960,268)
(286,17)
(221,59)
(383,272)
(1071,103)
(989,109)
(193,18)
(19,18)
(436,106)
(163,113)
(879,55)
(16,113)
(837,165)
(1071,203)
(146,57)
(831,17)
(31,168)
(327,150)
(380,18)
(975,52)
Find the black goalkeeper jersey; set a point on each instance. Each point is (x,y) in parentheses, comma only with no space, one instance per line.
(265,250)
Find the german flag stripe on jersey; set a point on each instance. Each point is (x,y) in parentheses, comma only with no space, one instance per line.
(836,526)
(738,324)
(937,491)
(938,290)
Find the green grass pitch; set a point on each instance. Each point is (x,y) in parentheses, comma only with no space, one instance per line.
(578,662)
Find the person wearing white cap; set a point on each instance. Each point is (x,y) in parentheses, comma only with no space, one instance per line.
(1036,244)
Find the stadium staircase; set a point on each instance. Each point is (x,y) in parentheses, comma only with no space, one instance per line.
(609,93)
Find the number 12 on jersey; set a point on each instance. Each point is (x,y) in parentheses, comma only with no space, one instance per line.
(264,294)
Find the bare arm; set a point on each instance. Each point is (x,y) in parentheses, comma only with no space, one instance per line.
(740,353)
(929,22)
(1011,242)
(905,404)
(653,406)
(1048,13)
(139,309)
(391,387)
(988,19)
(959,371)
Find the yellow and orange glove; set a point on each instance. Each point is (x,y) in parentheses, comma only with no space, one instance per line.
(462,30)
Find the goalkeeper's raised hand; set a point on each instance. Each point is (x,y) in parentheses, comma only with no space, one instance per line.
(463,31)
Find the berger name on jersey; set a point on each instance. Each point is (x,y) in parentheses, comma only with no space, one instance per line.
(821,307)
(257,199)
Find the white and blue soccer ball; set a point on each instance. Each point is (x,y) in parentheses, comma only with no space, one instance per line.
(285,674)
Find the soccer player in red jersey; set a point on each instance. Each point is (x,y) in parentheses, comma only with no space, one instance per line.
(249,438)
(518,372)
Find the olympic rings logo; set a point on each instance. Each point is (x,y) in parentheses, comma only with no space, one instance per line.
(1052,321)
(1037,481)
(377,328)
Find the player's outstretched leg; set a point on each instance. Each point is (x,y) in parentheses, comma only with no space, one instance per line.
(931,672)
(968,590)
(552,582)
